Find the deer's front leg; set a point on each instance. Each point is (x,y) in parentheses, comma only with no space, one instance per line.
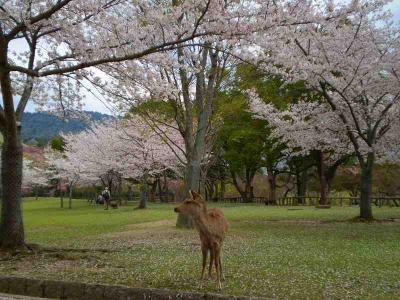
(204,252)
(211,263)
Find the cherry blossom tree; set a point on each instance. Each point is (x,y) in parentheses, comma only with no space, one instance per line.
(148,153)
(64,37)
(123,149)
(68,170)
(309,128)
(353,62)
(34,177)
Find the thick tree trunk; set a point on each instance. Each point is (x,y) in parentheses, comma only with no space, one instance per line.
(366,188)
(11,223)
(192,182)
(192,176)
(11,227)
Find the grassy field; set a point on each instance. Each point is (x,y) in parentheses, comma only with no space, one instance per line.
(273,252)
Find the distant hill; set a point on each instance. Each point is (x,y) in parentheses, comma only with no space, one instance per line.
(43,127)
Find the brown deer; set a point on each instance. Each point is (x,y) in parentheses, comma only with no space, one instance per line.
(212,227)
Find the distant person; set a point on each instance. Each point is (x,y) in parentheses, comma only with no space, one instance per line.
(106,197)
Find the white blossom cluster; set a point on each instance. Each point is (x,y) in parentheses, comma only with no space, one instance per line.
(127,147)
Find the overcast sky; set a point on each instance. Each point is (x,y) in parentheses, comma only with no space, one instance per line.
(93,104)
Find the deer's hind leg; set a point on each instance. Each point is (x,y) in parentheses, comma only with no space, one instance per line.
(217,251)
(220,268)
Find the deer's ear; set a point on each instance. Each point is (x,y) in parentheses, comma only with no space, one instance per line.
(191,194)
(194,194)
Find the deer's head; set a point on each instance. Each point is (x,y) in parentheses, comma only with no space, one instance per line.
(194,205)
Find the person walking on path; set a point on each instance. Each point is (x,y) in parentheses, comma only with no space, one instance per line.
(106,196)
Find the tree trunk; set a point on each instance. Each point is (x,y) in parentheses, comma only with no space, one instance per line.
(216,187)
(195,138)
(192,182)
(11,227)
(152,191)
(130,192)
(301,185)
(164,189)
(144,191)
(61,199)
(118,191)
(11,223)
(160,196)
(366,187)
(322,180)
(222,195)
(192,176)
(272,188)
(70,197)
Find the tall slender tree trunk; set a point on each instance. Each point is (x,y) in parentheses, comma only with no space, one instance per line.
(301,185)
(222,195)
(165,190)
(366,187)
(324,189)
(70,197)
(61,199)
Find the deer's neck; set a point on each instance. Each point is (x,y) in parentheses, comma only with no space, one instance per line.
(201,222)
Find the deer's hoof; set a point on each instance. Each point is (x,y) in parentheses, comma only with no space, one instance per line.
(219,286)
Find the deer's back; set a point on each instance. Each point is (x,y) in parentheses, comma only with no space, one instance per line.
(219,224)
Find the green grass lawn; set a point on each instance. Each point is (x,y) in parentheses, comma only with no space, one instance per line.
(269,251)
